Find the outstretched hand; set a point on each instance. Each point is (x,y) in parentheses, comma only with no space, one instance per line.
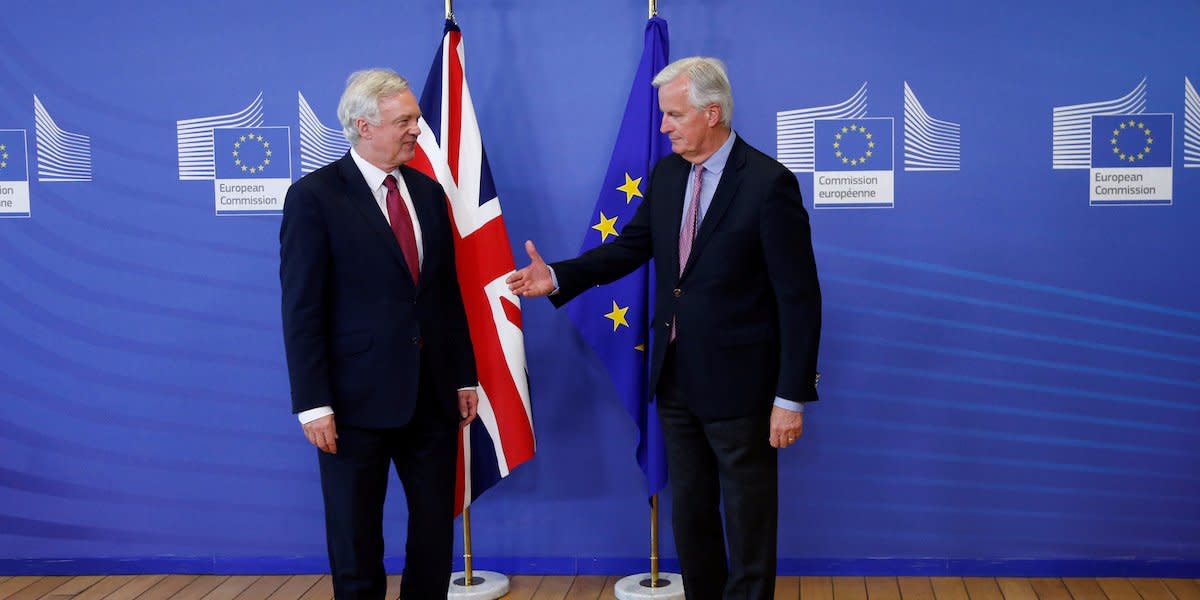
(534,280)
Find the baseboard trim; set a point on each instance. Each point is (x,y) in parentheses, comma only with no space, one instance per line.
(569,565)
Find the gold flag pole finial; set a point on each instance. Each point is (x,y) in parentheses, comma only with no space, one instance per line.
(450,10)
(653,8)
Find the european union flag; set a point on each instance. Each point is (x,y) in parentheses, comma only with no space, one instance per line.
(13,157)
(614,319)
(853,144)
(1132,140)
(252,153)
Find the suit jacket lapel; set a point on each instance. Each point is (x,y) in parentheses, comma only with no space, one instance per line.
(674,202)
(731,179)
(363,200)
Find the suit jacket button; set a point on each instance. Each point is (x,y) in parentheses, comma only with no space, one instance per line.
(418,342)
(678,292)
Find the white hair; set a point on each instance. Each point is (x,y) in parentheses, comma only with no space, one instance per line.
(707,83)
(364,90)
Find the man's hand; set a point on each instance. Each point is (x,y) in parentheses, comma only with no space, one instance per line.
(786,427)
(534,280)
(468,405)
(322,433)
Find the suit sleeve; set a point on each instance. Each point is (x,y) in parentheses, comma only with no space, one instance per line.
(792,271)
(304,260)
(607,263)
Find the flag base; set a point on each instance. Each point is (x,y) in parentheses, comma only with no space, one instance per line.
(637,587)
(485,585)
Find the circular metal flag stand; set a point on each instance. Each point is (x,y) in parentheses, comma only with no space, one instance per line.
(469,584)
(653,584)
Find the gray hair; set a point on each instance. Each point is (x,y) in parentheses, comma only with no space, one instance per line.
(708,83)
(364,89)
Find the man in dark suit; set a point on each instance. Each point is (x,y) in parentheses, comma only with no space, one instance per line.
(376,338)
(736,326)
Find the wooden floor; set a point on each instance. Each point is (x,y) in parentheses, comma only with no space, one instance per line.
(316,587)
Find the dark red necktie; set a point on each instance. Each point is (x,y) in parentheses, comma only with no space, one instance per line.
(402,227)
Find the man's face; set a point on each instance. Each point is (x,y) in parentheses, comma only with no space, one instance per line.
(687,126)
(394,141)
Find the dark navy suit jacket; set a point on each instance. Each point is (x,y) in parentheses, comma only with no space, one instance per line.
(356,328)
(748,304)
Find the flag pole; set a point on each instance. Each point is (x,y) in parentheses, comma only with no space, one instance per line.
(653,8)
(450,10)
(466,529)
(653,527)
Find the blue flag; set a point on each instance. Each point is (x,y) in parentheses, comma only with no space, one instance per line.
(1131,140)
(615,319)
(252,153)
(863,144)
(13,166)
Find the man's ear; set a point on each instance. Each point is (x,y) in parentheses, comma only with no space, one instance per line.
(361,125)
(713,115)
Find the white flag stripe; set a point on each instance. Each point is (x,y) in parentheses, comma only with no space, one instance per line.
(794,130)
(512,339)
(195,139)
(61,155)
(319,145)
(929,144)
(1191,125)
(1073,126)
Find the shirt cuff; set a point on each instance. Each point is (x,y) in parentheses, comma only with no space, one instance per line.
(553,279)
(468,389)
(313,414)
(789,405)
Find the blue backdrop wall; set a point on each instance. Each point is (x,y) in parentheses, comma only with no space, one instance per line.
(1011,360)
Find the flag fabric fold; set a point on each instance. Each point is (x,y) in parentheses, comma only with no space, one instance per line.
(614,319)
(450,150)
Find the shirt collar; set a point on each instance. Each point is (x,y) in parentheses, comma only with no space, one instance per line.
(374,175)
(716,163)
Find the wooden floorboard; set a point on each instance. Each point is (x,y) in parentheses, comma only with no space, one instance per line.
(1183,589)
(787,588)
(37,589)
(946,588)
(882,588)
(1152,589)
(522,587)
(816,588)
(167,587)
(552,588)
(1118,589)
(1084,588)
(136,587)
(1050,589)
(982,588)
(1016,589)
(586,587)
(598,587)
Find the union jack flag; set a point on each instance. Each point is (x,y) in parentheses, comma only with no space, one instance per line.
(450,150)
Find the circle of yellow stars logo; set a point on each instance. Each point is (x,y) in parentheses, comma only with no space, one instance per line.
(248,139)
(3,156)
(853,129)
(1147,141)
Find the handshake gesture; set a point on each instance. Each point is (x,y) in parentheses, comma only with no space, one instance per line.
(534,280)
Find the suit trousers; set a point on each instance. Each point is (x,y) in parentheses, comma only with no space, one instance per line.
(354,484)
(732,460)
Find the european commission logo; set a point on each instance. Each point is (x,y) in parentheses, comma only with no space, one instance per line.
(1131,159)
(1128,152)
(249,164)
(853,163)
(14,174)
(851,155)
